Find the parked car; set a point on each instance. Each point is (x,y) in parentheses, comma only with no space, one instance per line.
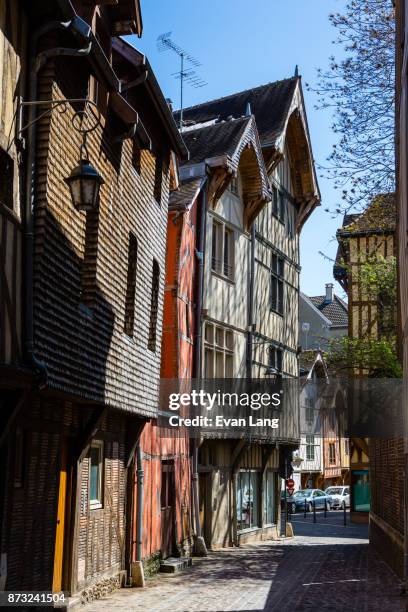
(312,497)
(340,496)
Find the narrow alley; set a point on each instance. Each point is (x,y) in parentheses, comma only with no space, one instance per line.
(327,566)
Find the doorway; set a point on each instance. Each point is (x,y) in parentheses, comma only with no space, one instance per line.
(167,497)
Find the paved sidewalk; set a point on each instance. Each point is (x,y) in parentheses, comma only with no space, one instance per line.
(325,567)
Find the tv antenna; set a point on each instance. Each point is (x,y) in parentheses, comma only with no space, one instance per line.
(185,74)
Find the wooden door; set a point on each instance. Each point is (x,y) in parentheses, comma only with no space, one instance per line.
(60,522)
(167,508)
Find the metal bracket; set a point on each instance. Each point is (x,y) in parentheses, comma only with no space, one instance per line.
(83,121)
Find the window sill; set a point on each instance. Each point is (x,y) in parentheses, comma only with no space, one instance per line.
(231,281)
(280,314)
(248,530)
(95,505)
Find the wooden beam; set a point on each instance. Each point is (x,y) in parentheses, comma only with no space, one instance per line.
(12,419)
(90,431)
(239,450)
(133,433)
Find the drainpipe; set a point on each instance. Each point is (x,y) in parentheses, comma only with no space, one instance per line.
(36,63)
(139,503)
(199,544)
(251,304)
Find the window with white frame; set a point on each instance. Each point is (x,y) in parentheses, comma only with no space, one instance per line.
(96,475)
(332,452)
(233,185)
(222,256)
(248,495)
(277,283)
(218,352)
(310,448)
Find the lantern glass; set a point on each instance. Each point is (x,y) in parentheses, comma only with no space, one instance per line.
(84,184)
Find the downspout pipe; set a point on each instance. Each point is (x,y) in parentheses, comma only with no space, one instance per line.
(139,503)
(36,63)
(251,303)
(199,543)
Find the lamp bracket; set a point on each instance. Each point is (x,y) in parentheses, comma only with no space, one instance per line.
(83,121)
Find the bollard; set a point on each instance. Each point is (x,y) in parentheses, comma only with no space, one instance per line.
(314,511)
(325,508)
(344,515)
(305,509)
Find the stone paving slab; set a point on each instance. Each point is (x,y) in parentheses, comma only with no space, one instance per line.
(325,567)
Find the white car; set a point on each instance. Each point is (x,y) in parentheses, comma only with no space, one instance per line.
(340,496)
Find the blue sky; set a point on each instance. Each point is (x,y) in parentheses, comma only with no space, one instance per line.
(243,44)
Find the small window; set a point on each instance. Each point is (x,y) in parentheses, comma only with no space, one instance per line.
(136,157)
(218,352)
(18,458)
(154,306)
(131,286)
(310,448)
(187,320)
(223,248)
(89,263)
(6,179)
(158,179)
(233,185)
(276,358)
(347,446)
(277,284)
(167,485)
(96,475)
(332,452)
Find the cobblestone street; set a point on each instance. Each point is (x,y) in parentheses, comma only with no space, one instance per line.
(325,567)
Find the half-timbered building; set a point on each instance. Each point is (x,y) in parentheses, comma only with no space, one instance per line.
(80,363)
(254,147)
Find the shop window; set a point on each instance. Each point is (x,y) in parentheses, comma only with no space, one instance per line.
(223,250)
(310,448)
(270,492)
(154,305)
(247,499)
(218,352)
(96,475)
(131,286)
(6,179)
(277,283)
(360,484)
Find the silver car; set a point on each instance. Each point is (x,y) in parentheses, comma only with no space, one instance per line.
(340,496)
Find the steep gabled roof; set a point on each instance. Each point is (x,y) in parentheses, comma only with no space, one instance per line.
(226,147)
(183,197)
(269,103)
(336,310)
(214,140)
(378,218)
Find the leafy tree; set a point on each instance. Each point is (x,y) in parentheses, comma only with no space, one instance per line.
(359,88)
(370,356)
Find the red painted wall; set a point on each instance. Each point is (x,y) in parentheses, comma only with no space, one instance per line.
(157,444)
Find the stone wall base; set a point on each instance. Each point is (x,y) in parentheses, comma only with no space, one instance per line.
(388,542)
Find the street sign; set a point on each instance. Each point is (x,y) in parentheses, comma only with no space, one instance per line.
(290,483)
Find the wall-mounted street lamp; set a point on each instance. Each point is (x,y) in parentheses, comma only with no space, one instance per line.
(84,181)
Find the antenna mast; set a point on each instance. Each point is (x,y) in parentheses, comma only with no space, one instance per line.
(188,75)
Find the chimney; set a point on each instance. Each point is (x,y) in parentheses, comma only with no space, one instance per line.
(329,293)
